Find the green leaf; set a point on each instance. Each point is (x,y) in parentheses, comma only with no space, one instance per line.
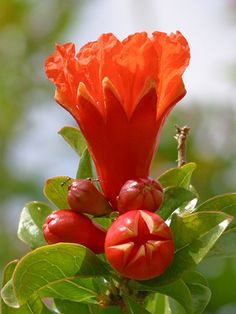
(102,285)
(56,189)
(180,176)
(188,256)
(157,303)
(225,246)
(200,297)
(225,203)
(33,306)
(190,227)
(8,295)
(133,307)
(8,271)
(68,307)
(85,169)
(94,309)
(193,277)
(45,310)
(103,221)
(31,221)
(174,197)
(200,292)
(47,265)
(77,290)
(191,293)
(178,290)
(175,307)
(74,138)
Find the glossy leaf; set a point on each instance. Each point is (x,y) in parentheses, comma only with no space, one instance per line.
(74,138)
(104,310)
(180,176)
(85,169)
(50,264)
(189,256)
(101,285)
(8,271)
(225,203)
(77,290)
(103,221)
(175,307)
(133,307)
(225,246)
(55,189)
(200,297)
(67,307)
(199,290)
(190,227)
(157,303)
(32,306)
(8,295)
(193,277)
(174,197)
(31,221)
(45,310)
(178,290)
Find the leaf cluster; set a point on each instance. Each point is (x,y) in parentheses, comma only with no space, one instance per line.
(69,278)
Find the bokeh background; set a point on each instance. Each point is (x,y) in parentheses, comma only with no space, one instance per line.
(30,149)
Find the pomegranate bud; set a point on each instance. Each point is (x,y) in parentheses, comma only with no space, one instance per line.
(73,227)
(142,193)
(83,197)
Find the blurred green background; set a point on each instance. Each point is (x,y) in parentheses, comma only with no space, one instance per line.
(30,149)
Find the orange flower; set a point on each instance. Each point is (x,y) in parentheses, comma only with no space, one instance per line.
(120,93)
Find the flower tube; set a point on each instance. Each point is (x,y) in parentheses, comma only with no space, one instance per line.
(120,93)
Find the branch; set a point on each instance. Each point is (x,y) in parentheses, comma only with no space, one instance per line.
(181,136)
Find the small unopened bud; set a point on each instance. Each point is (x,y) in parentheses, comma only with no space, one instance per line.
(73,227)
(141,193)
(83,197)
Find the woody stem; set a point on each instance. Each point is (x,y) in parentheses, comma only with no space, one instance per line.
(181,136)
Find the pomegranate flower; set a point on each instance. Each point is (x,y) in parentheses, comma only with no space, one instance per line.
(120,93)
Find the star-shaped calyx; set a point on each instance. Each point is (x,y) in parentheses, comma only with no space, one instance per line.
(139,245)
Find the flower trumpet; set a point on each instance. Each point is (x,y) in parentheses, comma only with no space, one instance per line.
(120,93)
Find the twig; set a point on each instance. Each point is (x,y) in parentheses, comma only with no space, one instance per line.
(181,136)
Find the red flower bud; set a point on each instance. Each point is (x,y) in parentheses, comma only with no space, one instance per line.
(142,193)
(139,245)
(70,226)
(83,197)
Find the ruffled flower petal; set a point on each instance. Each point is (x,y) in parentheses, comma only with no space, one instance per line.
(120,93)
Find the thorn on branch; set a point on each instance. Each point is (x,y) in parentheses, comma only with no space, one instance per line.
(181,136)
